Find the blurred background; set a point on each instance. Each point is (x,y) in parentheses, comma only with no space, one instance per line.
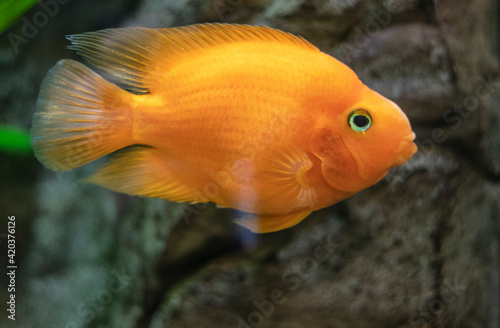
(419,249)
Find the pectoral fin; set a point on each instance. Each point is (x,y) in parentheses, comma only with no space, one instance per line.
(283,171)
(270,223)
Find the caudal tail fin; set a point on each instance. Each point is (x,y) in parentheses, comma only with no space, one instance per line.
(79,117)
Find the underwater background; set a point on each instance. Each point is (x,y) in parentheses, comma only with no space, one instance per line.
(418,249)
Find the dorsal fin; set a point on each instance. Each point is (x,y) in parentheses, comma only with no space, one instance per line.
(128,56)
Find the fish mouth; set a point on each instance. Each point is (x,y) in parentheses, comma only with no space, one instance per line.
(406,149)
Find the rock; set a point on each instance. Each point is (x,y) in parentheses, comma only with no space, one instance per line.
(168,13)
(418,249)
(472,47)
(313,19)
(489,143)
(409,64)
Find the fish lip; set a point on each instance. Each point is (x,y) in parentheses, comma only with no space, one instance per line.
(409,138)
(407,148)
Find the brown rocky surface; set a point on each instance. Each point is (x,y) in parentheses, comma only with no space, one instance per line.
(419,249)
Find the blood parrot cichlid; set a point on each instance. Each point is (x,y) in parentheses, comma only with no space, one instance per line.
(248,117)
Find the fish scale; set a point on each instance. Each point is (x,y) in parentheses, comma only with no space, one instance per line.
(248,117)
(227,140)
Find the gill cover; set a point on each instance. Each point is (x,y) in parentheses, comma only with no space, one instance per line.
(338,166)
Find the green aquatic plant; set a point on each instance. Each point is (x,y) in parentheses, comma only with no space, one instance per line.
(14,140)
(12,10)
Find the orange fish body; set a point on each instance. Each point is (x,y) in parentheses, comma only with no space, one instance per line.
(247,117)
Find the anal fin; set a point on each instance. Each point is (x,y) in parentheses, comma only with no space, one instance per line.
(261,223)
(142,171)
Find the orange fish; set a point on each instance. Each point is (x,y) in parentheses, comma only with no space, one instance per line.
(248,117)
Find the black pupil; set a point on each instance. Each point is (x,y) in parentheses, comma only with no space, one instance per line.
(361,121)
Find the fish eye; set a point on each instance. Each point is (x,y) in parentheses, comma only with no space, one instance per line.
(359,120)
